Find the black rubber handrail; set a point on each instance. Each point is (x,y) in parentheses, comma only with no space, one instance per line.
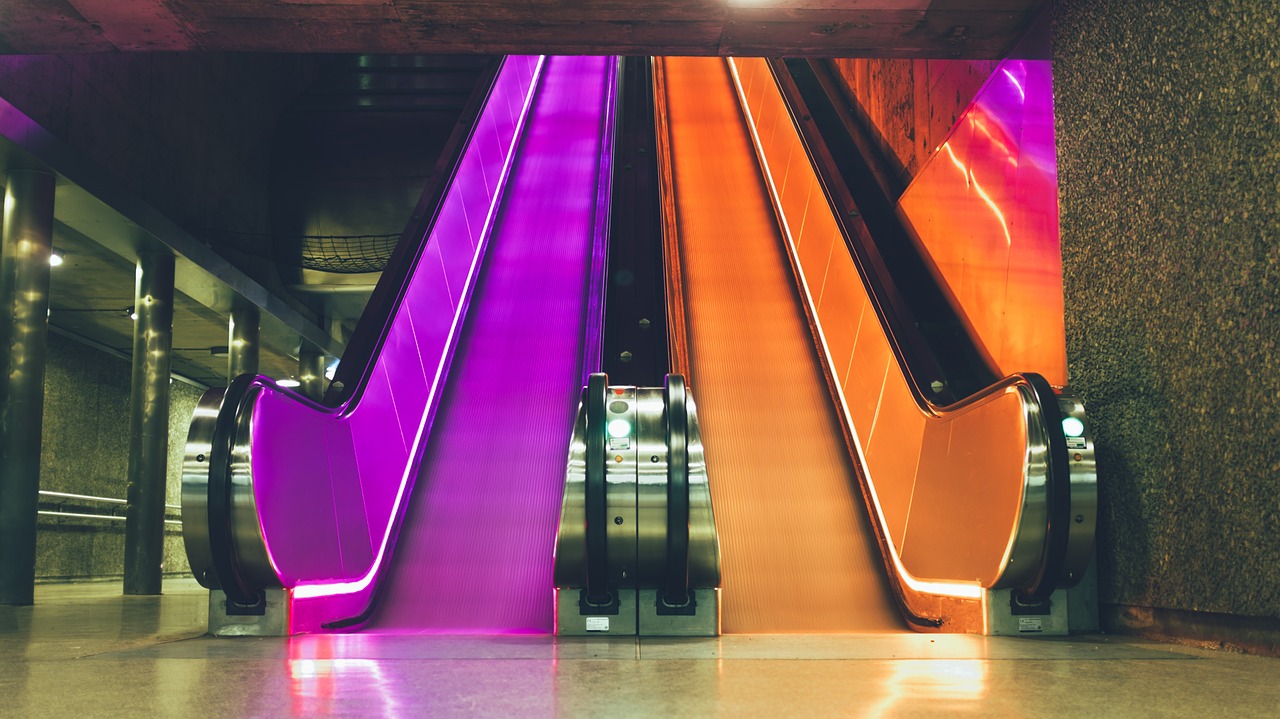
(1052,571)
(226,565)
(676,587)
(635,328)
(594,398)
(932,336)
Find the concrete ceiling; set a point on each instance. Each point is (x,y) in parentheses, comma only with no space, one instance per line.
(838,28)
(92,292)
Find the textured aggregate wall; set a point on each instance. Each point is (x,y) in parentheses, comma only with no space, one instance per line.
(1168,124)
(189,133)
(86,451)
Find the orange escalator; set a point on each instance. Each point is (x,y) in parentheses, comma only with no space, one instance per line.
(798,553)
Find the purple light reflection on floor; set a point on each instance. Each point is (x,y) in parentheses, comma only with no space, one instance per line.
(474,553)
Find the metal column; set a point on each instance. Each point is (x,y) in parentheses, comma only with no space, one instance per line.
(25,243)
(242,342)
(149,424)
(311,371)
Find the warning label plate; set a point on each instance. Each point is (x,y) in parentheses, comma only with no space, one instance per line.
(1025,624)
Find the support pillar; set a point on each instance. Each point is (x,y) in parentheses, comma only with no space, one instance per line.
(149,424)
(243,342)
(25,243)
(311,371)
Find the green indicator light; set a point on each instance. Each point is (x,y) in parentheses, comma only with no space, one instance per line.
(619,428)
(1072,427)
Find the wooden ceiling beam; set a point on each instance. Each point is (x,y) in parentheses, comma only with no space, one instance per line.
(838,28)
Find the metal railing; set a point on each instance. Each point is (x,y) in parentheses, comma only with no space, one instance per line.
(63,498)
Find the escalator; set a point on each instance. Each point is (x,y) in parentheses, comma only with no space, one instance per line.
(471,555)
(423,494)
(850,494)
(854,490)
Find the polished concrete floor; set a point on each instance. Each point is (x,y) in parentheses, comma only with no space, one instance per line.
(84,650)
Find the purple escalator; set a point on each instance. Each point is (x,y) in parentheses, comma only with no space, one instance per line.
(475,551)
(428,499)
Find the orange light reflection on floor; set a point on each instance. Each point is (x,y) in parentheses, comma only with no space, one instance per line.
(943,685)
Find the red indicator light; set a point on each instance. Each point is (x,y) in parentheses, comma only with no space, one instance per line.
(618,391)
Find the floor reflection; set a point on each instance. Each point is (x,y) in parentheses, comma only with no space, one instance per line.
(320,670)
(934,684)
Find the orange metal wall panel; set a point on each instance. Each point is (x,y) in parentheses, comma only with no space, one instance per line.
(985,207)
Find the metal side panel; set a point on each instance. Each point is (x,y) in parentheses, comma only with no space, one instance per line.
(571,622)
(621,459)
(195,487)
(571,538)
(636,472)
(705,622)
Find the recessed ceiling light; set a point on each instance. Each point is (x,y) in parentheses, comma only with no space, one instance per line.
(56,258)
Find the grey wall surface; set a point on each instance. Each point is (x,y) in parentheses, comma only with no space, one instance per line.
(86,451)
(1168,124)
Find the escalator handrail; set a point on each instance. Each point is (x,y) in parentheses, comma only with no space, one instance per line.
(226,563)
(677,331)
(676,420)
(594,397)
(593,344)
(1053,570)
(909,344)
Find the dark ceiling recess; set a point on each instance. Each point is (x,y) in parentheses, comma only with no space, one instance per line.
(354,153)
(975,29)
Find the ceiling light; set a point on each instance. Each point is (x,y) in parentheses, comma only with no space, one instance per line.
(56,258)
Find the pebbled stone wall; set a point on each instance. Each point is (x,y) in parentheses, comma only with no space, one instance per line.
(1168,125)
(86,451)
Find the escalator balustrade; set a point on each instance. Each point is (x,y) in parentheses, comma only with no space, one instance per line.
(637,551)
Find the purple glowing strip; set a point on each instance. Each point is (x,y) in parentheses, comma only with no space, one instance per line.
(474,553)
(329,486)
